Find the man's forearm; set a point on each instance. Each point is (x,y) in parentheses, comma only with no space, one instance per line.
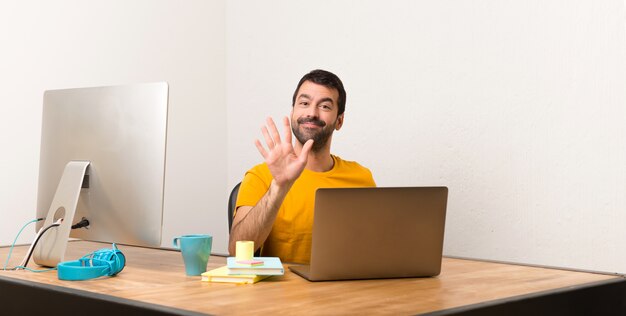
(256,223)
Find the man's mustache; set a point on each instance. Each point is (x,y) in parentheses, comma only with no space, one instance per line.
(313,120)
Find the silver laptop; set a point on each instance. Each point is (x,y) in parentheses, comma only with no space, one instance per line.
(370,233)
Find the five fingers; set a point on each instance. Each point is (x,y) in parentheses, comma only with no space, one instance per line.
(272,138)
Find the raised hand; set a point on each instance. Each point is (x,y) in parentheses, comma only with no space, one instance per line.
(281,158)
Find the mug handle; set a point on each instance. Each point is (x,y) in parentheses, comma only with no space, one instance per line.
(175,243)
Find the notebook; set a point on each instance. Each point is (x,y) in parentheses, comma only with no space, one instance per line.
(221,275)
(269,266)
(370,233)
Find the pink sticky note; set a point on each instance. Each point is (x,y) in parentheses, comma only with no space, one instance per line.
(250,262)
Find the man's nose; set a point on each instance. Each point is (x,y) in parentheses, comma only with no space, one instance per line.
(312,111)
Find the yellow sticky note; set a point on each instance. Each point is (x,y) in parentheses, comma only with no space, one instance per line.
(244,250)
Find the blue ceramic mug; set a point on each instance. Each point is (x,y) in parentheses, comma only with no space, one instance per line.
(196,250)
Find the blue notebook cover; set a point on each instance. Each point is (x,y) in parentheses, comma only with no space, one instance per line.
(270,266)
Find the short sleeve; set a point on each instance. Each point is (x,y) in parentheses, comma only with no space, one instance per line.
(254,185)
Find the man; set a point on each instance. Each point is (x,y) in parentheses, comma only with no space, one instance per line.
(276,199)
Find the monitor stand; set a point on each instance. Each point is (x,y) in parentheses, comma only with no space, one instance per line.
(50,249)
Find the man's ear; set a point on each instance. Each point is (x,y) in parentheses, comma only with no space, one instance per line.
(339,121)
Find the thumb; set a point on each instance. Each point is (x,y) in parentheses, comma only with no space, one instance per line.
(306,148)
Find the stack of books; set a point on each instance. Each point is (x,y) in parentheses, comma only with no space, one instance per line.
(248,271)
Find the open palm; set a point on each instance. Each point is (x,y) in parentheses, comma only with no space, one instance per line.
(280,156)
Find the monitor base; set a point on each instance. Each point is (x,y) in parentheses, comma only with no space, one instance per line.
(50,250)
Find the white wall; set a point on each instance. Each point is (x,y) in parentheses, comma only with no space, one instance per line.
(62,44)
(516,106)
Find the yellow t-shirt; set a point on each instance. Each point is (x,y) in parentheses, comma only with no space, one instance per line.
(290,238)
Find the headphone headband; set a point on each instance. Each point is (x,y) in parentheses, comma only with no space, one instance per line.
(94,265)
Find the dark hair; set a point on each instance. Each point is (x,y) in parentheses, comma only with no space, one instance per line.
(327,79)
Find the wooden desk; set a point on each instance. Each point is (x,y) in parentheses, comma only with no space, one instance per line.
(154,281)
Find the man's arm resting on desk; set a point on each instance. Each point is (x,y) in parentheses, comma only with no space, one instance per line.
(255,222)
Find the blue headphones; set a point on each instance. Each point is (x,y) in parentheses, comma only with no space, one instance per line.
(94,265)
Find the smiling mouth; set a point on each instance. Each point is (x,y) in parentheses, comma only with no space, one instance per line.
(311,122)
(310,125)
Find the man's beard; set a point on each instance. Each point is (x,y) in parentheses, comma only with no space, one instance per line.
(319,138)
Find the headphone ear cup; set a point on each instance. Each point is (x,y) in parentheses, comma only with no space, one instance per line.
(119,262)
(113,257)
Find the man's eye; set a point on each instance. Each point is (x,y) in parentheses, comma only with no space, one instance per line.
(304,103)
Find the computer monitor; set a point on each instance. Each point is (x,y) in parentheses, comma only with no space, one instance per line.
(103,152)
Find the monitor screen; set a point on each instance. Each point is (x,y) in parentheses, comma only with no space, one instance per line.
(119,132)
